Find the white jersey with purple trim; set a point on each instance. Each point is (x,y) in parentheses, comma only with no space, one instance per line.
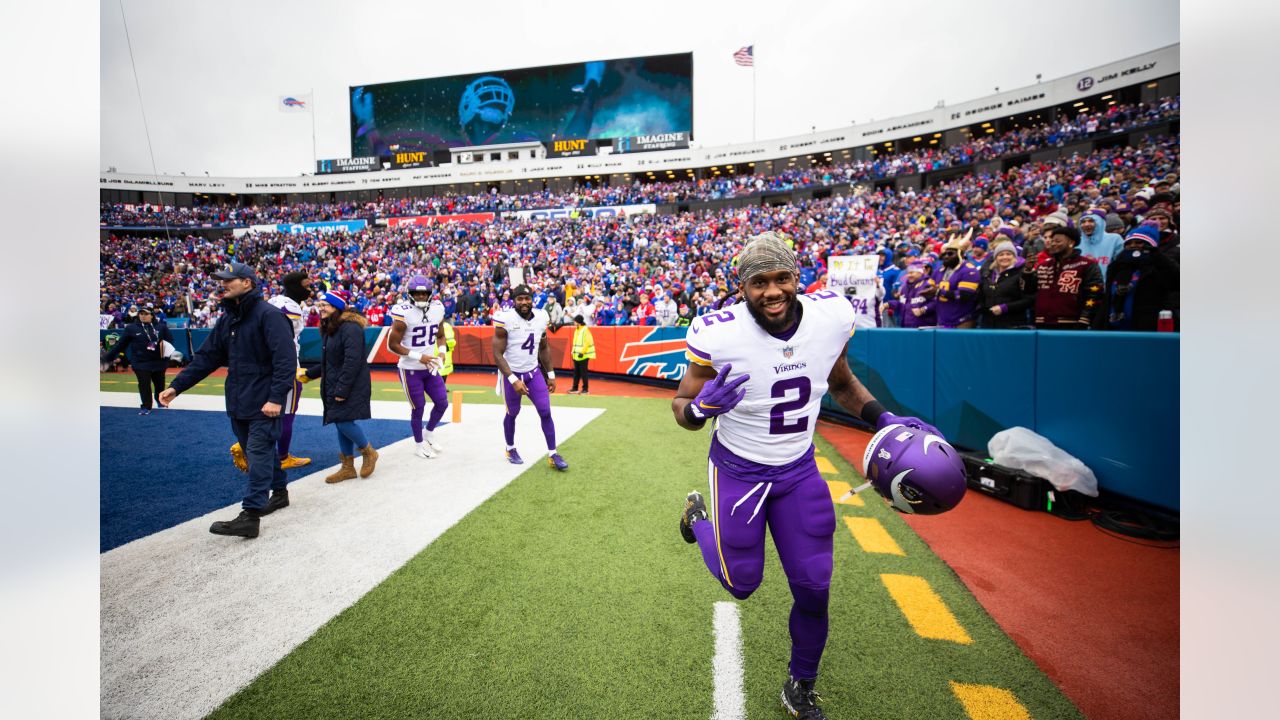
(774,423)
(422,327)
(523,337)
(293,311)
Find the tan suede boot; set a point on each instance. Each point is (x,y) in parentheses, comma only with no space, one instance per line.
(369,460)
(346,472)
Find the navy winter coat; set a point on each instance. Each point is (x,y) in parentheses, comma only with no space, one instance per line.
(141,344)
(344,372)
(254,340)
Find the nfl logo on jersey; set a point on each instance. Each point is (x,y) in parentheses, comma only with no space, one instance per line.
(788,351)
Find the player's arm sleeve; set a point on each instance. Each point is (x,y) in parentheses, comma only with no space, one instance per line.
(696,347)
(284,356)
(500,350)
(967,286)
(211,355)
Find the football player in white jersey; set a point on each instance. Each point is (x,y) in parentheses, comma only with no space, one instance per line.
(523,357)
(760,367)
(416,338)
(297,287)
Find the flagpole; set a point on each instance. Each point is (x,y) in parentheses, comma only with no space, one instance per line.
(313,129)
(753,92)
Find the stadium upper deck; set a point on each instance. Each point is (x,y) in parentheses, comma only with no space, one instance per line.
(1139,79)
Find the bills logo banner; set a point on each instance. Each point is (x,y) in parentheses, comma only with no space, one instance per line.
(294,103)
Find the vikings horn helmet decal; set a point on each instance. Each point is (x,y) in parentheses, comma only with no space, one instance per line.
(917,472)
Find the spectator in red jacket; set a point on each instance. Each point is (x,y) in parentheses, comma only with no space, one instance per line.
(1069,286)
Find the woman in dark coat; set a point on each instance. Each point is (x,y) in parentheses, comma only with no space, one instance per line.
(1006,294)
(345,385)
(144,339)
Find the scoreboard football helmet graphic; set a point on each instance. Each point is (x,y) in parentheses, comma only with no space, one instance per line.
(485,107)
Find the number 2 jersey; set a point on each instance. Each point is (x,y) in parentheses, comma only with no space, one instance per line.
(774,423)
(523,337)
(422,327)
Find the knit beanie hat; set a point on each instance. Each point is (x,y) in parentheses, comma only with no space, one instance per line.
(1148,233)
(1057,218)
(1005,246)
(339,299)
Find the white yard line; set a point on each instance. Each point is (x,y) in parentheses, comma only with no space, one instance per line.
(189,618)
(726,667)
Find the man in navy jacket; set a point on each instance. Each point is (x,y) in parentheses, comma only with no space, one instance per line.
(254,341)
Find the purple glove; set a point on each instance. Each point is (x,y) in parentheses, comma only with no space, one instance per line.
(718,397)
(912,422)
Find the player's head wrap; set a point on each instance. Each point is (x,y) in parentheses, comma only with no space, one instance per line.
(293,288)
(766,252)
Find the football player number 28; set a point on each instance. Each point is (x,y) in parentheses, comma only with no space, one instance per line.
(528,344)
(778,424)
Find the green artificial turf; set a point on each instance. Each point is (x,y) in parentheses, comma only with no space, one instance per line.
(571,595)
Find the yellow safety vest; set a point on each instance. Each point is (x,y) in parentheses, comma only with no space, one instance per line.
(449,342)
(584,346)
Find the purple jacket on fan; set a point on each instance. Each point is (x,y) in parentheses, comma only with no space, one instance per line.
(957,298)
(911,298)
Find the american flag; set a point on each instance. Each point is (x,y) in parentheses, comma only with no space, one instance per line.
(745,56)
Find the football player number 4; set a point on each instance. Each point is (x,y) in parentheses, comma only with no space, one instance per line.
(528,344)
(778,424)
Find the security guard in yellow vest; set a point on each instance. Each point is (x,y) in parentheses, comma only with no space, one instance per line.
(584,349)
(450,340)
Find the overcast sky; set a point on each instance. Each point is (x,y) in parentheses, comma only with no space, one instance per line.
(210,73)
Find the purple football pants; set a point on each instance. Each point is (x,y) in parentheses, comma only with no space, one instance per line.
(541,399)
(287,414)
(418,385)
(794,502)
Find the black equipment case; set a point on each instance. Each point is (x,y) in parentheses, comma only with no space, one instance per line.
(1020,488)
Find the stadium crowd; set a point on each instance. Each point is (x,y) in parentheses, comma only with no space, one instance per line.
(666,269)
(1116,118)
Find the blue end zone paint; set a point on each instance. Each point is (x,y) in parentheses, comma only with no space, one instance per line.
(162,469)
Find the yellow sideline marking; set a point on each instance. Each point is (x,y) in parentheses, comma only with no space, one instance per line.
(825,467)
(926,612)
(838,489)
(872,536)
(983,702)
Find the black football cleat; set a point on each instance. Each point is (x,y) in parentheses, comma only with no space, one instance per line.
(279,499)
(245,525)
(694,510)
(800,701)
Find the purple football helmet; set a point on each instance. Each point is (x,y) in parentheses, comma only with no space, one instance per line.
(919,473)
(417,284)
